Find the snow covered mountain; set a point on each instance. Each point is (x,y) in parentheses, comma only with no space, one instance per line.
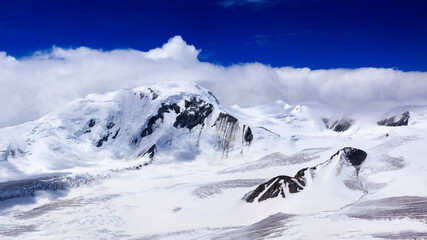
(168,161)
(176,120)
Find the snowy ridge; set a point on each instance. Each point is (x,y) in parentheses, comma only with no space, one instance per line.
(341,169)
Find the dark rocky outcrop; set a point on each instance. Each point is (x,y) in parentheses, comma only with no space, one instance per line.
(150,152)
(154,94)
(149,126)
(115,134)
(195,113)
(91,123)
(274,187)
(110,125)
(191,113)
(355,156)
(340,125)
(226,126)
(248,135)
(160,115)
(396,121)
(225,118)
(102,140)
(277,185)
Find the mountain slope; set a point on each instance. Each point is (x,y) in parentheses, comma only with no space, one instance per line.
(127,124)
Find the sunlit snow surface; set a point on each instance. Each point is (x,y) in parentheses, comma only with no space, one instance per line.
(193,190)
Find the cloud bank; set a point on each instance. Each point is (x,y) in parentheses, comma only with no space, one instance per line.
(35,85)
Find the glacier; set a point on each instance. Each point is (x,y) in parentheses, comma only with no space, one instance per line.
(169,161)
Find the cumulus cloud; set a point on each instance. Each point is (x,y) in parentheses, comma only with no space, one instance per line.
(35,85)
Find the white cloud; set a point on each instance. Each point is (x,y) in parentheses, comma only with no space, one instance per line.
(175,49)
(35,85)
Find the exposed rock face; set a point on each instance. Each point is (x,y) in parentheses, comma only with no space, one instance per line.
(195,113)
(150,125)
(110,125)
(102,140)
(248,134)
(225,118)
(190,113)
(355,156)
(340,125)
(106,135)
(154,95)
(395,121)
(150,152)
(284,185)
(227,127)
(278,185)
(90,124)
(115,134)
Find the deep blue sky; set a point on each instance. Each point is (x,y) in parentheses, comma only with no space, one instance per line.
(301,33)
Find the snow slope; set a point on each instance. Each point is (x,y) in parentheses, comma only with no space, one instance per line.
(167,161)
